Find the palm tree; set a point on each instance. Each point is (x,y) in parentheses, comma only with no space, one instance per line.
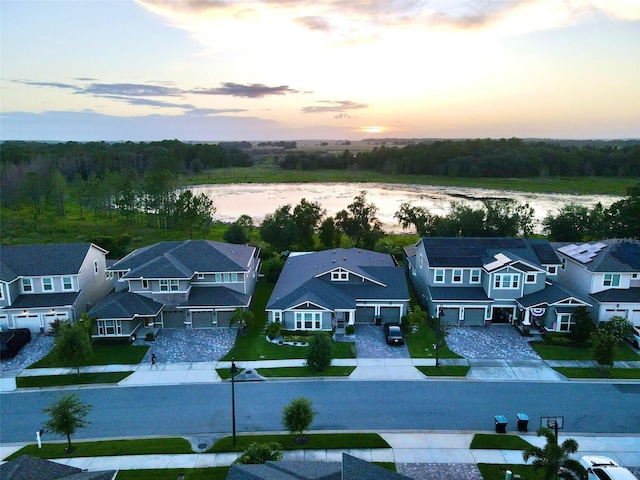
(553,457)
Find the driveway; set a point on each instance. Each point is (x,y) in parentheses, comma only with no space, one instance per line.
(494,342)
(370,343)
(190,345)
(39,347)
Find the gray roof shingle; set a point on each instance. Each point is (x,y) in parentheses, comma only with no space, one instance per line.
(26,467)
(618,256)
(125,305)
(41,260)
(216,297)
(45,300)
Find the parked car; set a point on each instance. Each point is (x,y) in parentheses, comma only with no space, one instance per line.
(604,468)
(13,341)
(393,334)
(635,338)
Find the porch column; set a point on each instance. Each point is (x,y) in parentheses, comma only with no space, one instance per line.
(526,320)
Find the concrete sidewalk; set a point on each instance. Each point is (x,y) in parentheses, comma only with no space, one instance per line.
(406,448)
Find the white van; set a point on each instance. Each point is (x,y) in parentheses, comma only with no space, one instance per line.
(604,468)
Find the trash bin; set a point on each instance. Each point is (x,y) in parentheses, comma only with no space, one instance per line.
(523,422)
(501,424)
(378,320)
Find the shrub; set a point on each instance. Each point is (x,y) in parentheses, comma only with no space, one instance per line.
(260,453)
(320,351)
(583,328)
(350,329)
(298,415)
(273,330)
(149,337)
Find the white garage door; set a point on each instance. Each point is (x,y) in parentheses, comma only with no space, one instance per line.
(49,318)
(608,313)
(635,317)
(32,322)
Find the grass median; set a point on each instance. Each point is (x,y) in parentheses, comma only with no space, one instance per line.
(71,379)
(489,441)
(600,373)
(316,441)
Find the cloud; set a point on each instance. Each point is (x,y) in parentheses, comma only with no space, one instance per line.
(253,90)
(49,84)
(339,107)
(131,89)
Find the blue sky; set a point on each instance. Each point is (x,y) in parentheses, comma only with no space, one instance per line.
(282,69)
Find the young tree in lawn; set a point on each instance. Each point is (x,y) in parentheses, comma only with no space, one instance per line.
(553,457)
(73,345)
(298,416)
(66,416)
(608,336)
(319,352)
(583,327)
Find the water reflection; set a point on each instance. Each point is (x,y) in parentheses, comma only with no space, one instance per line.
(257,199)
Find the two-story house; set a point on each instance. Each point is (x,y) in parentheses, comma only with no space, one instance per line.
(182,284)
(43,283)
(479,281)
(334,288)
(608,272)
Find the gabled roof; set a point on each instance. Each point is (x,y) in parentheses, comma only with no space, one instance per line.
(125,305)
(479,252)
(42,260)
(44,300)
(352,468)
(184,259)
(26,467)
(468,294)
(216,297)
(552,294)
(304,278)
(616,256)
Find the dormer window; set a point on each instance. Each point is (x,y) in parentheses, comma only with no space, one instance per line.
(530,278)
(47,284)
(164,285)
(339,276)
(67,283)
(611,280)
(552,270)
(145,284)
(26,284)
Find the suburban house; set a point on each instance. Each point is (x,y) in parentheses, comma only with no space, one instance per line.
(334,288)
(40,284)
(608,273)
(480,281)
(351,468)
(182,284)
(26,467)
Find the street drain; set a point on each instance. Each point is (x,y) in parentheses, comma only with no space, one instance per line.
(202,446)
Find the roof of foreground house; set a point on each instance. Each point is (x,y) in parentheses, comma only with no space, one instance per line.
(125,305)
(300,279)
(41,260)
(604,256)
(184,259)
(26,467)
(479,252)
(351,468)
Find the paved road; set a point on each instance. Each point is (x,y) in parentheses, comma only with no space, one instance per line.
(341,404)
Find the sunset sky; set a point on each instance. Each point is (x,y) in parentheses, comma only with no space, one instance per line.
(210,70)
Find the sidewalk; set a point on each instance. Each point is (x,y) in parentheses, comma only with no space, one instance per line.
(406,448)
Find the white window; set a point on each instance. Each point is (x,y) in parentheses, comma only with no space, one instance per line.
(438,275)
(506,280)
(47,284)
(530,278)
(175,285)
(420,261)
(339,276)
(145,284)
(276,316)
(308,320)
(565,321)
(475,276)
(95,267)
(109,327)
(26,284)
(1,292)
(611,280)
(552,270)
(67,283)
(217,278)
(201,276)
(164,285)
(457,275)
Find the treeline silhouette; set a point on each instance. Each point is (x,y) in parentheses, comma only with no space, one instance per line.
(484,158)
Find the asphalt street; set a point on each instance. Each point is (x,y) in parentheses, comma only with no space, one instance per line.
(587,407)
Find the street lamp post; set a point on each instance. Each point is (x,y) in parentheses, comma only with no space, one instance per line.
(233,370)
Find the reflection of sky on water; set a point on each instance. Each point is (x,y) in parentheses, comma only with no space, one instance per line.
(257,200)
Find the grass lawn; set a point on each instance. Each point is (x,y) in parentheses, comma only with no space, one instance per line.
(147,446)
(421,344)
(559,352)
(497,471)
(316,441)
(73,379)
(102,355)
(498,442)
(445,371)
(213,473)
(601,372)
(305,372)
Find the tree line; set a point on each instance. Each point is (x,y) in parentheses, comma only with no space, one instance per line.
(503,158)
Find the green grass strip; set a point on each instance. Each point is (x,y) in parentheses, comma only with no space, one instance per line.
(561,352)
(72,379)
(147,446)
(602,372)
(445,371)
(316,441)
(212,473)
(498,442)
(496,471)
(283,372)
(102,355)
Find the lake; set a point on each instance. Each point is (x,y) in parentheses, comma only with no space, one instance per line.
(259,199)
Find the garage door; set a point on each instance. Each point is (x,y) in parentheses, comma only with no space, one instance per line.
(390,314)
(613,313)
(451,316)
(365,314)
(474,316)
(32,322)
(49,318)
(224,319)
(635,317)
(202,319)
(173,319)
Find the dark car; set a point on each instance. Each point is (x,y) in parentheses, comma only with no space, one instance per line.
(394,334)
(13,341)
